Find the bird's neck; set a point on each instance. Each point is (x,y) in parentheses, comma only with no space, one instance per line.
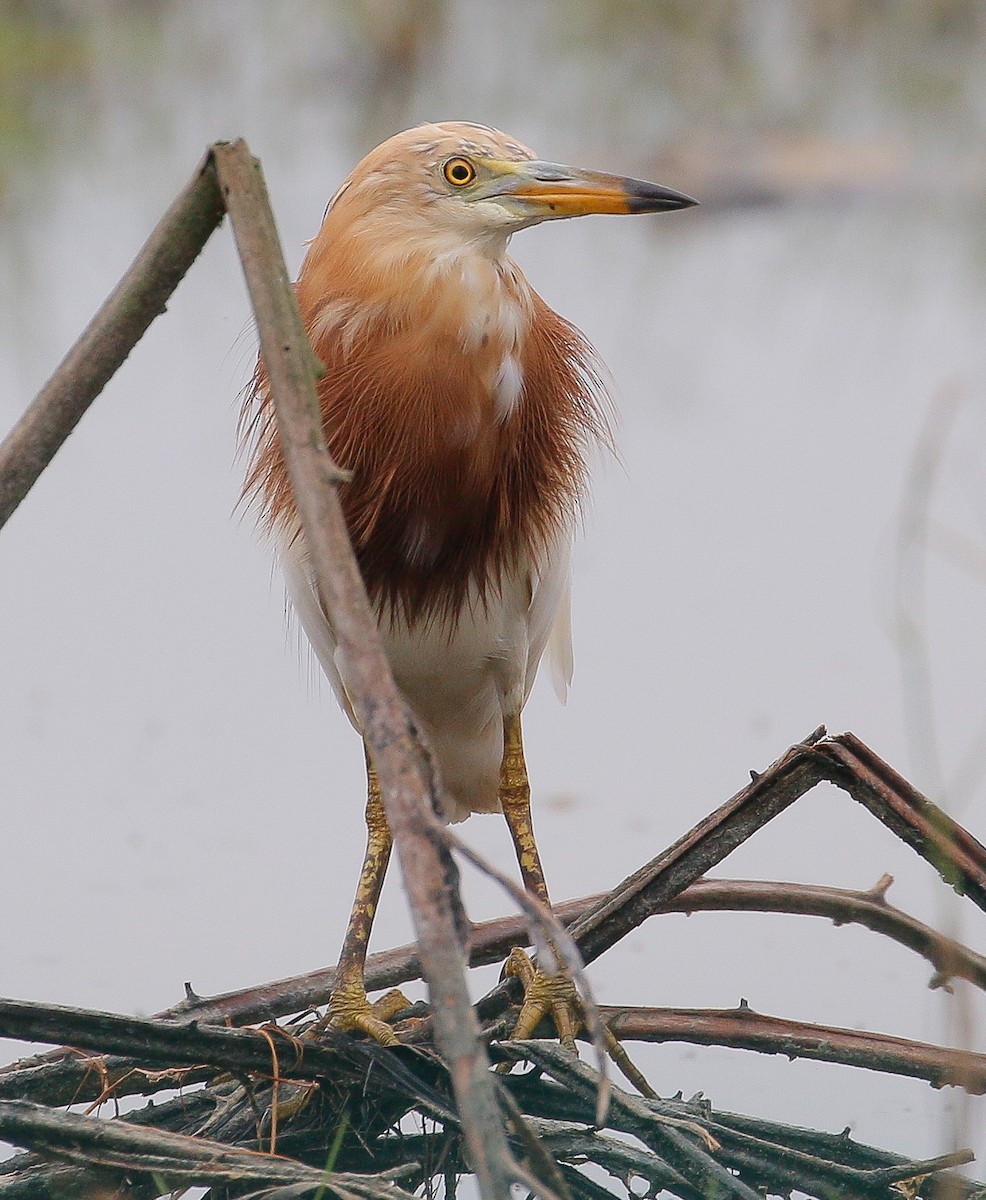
(467,290)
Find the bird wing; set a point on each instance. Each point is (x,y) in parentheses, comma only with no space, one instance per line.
(549,618)
(299,579)
(561,658)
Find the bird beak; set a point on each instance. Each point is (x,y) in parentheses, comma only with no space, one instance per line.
(548,190)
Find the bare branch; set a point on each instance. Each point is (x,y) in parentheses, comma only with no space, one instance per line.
(843,760)
(406,777)
(171,1043)
(691,1135)
(742,1028)
(651,889)
(564,947)
(113,332)
(490,941)
(954,853)
(843,906)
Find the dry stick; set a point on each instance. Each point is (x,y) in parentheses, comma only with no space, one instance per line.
(843,906)
(661,1125)
(77,1078)
(957,856)
(843,760)
(406,777)
(174,1157)
(577,1144)
(742,1028)
(46,1077)
(769,1145)
(565,949)
(655,884)
(244,1050)
(490,941)
(57,1076)
(172,1044)
(133,304)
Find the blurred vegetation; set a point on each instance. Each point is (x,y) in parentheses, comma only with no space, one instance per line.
(39,49)
(53,75)
(722,77)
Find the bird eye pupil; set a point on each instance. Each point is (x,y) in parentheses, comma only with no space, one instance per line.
(459,171)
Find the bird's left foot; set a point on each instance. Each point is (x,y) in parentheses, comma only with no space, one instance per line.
(544,995)
(558,996)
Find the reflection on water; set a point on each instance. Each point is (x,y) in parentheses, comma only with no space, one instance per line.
(775,355)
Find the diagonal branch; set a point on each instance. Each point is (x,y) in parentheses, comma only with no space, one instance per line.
(404,770)
(490,941)
(140,296)
(766,1154)
(954,853)
(844,761)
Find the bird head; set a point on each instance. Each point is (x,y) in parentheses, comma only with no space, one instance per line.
(474,184)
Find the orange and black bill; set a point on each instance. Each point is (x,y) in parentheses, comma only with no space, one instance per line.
(560,191)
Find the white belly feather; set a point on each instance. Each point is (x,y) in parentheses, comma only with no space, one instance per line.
(460,683)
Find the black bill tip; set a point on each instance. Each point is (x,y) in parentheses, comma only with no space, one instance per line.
(645,197)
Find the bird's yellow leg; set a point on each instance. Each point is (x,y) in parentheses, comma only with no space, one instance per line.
(543,994)
(349,1009)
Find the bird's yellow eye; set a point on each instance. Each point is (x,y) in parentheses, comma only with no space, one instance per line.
(459,171)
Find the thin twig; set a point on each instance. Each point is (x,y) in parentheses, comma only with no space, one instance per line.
(564,945)
(541,1163)
(172,1157)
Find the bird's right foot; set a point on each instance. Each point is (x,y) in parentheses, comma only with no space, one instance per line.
(350,1011)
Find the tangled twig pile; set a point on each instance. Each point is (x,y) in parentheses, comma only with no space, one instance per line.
(269,1108)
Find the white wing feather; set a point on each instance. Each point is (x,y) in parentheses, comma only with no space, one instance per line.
(549,620)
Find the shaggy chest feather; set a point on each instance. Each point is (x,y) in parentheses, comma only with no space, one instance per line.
(463,411)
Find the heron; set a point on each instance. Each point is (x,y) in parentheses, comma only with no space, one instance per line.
(465,409)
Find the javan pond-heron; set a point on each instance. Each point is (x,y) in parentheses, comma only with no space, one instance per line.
(464,408)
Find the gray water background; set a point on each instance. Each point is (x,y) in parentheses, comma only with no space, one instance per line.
(183,800)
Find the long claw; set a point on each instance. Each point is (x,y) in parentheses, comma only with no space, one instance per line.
(618,1054)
